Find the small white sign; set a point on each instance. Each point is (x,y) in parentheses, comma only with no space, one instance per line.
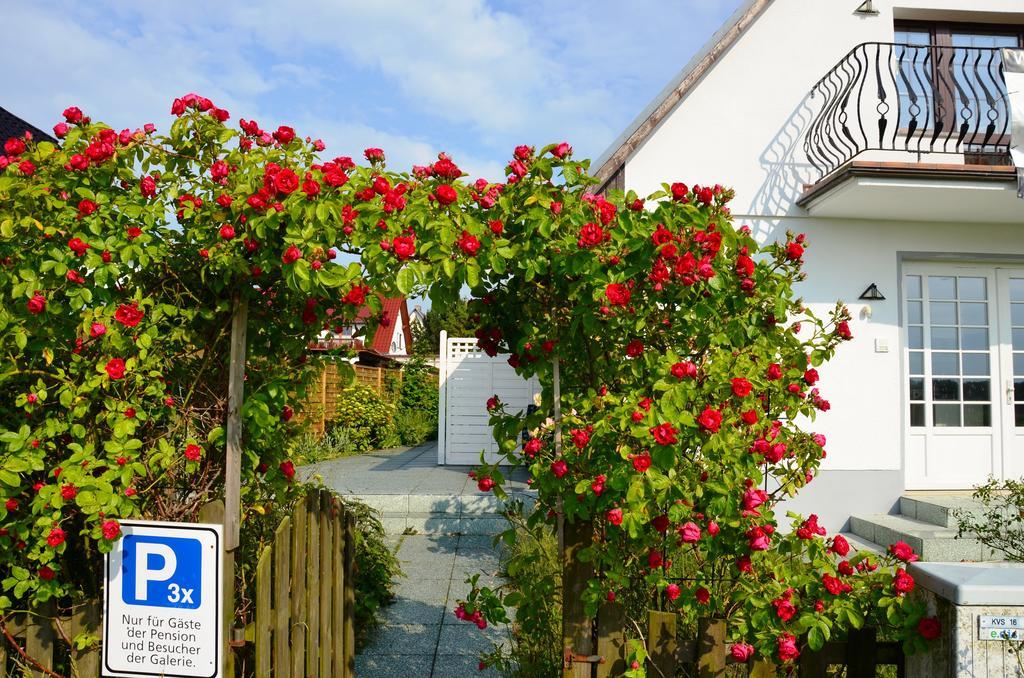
(163,588)
(1000,628)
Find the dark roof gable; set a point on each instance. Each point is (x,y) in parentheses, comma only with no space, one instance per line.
(13,126)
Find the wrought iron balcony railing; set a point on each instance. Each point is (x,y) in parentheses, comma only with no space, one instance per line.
(909,98)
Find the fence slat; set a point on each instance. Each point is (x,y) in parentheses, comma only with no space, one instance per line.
(861,653)
(282,611)
(661,641)
(813,664)
(213,512)
(39,638)
(326,580)
(350,596)
(86,619)
(338,592)
(710,648)
(264,619)
(313,588)
(611,640)
(298,606)
(763,669)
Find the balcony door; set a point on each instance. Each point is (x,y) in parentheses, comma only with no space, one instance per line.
(964,364)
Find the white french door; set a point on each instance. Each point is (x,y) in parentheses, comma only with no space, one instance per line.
(963,350)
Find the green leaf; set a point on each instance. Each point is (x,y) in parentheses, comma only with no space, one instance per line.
(405,280)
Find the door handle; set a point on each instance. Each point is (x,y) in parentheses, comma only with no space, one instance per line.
(1010,391)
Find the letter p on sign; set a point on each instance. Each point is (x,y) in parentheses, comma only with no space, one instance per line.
(162,571)
(144,574)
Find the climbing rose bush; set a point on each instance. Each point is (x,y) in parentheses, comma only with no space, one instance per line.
(688,367)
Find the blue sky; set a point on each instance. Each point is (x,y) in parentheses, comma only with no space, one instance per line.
(470,77)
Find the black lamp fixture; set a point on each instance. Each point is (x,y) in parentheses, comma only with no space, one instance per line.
(872,293)
(867,7)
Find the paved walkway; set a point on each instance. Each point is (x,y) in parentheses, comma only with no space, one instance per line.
(421,636)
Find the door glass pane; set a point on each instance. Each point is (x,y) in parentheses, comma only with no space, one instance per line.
(1018,339)
(973,314)
(972,289)
(1016,289)
(943,313)
(913,286)
(976,389)
(917,388)
(977,415)
(914,314)
(1017,314)
(1018,415)
(945,389)
(974,339)
(1018,364)
(916,362)
(941,287)
(976,364)
(945,415)
(917,414)
(915,337)
(945,363)
(943,339)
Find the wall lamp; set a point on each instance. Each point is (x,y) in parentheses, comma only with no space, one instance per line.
(872,293)
(867,8)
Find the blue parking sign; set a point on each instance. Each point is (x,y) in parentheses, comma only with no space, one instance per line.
(162,571)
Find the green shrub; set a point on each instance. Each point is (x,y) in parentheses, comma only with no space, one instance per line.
(367,419)
(416,418)
(312,447)
(376,568)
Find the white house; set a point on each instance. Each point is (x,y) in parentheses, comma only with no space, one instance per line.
(881,129)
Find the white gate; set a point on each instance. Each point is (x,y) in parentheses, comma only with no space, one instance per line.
(468,377)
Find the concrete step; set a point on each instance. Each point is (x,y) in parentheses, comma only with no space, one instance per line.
(938,509)
(860,544)
(932,542)
(443,523)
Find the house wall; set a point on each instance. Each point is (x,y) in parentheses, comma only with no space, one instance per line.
(742,126)
(398,346)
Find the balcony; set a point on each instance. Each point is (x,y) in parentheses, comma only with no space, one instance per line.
(910,131)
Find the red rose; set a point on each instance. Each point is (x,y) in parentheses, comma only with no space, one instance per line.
(679,191)
(45,573)
(310,187)
(754,498)
(901,550)
(580,437)
(286,182)
(617,294)
(773,372)
(60,130)
(684,369)
(287,413)
(532,447)
(591,235)
(784,608)
(485,484)
(115,368)
(930,628)
(635,348)
(227,231)
(287,469)
(710,420)
(741,652)
(493,403)
(469,244)
(193,452)
(749,417)
(664,434)
(559,468)
(374,154)
(840,546)
(55,538)
(147,187)
(111,530)
(37,304)
(12,504)
(86,207)
(14,147)
(445,194)
(68,492)
(496,226)
(641,462)
(833,585)
(672,591)
(614,516)
(27,167)
(129,315)
(744,266)
(291,255)
(843,330)
(689,533)
(702,595)
(556,208)
(561,150)
(133,232)
(404,246)
(902,582)
(788,650)
(741,388)
(794,251)
(811,377)
(284,134)
(73,114)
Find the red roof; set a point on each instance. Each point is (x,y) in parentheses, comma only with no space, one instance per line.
(392,309)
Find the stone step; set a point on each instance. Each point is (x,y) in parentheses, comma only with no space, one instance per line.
(940,510)
(861,544)
(935,543)
(443,523)
(456,505)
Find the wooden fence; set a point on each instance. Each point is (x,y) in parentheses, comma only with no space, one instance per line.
(305,594)
(707,656)
(305,608)
(321,404)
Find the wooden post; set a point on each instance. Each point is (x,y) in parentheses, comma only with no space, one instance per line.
(86,619)
(338,591)
(236,395)
(813,664)
(350,596)
(39,638)
(661,642)
(264,619)
(611,640)
(282,605)
(326,579)
(213,513)
(313,648)
(298,605)
(861,653)
(763,669)
(710,647)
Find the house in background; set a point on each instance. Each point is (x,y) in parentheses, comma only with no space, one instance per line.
(13,126)
(391,340)
(882,130)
